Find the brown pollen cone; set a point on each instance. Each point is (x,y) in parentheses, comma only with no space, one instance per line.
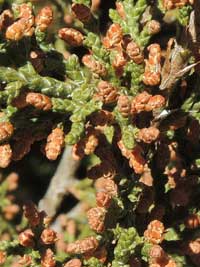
(107,93)
(134,52)
(32,214)
(171,4)
(2,257)
(48,236)
(192,221)
(106,185)
(156,101)
(71,36)
(96,219)
(48,259)
(44,18)
(12,181)
(26,238)
(55,143)
(6,130)
(83,246)
(124,105)
(148,135)
(120,9)
(113,36)
(5,155)
(81,12)
(103,199)
(153,27)
(73,263)
(39,101)
(86,146)
(154,232)
(26,260)
(22,27)
(139,102)
(94,65)
(10,211)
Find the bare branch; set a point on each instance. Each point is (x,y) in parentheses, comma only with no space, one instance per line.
(62,180)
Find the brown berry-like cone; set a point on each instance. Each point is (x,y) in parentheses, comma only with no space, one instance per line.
(81,12)
(26,238)
(6,130)
(73,263)
(154,232)
(39,101)
(83,246)
(71,36)
(55,143)
(48,236)
(5,155)
(44,18)
(94,66)
(148,135)
(124,105)
(134,52)
(96,219)
(107,93)
(48,259)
